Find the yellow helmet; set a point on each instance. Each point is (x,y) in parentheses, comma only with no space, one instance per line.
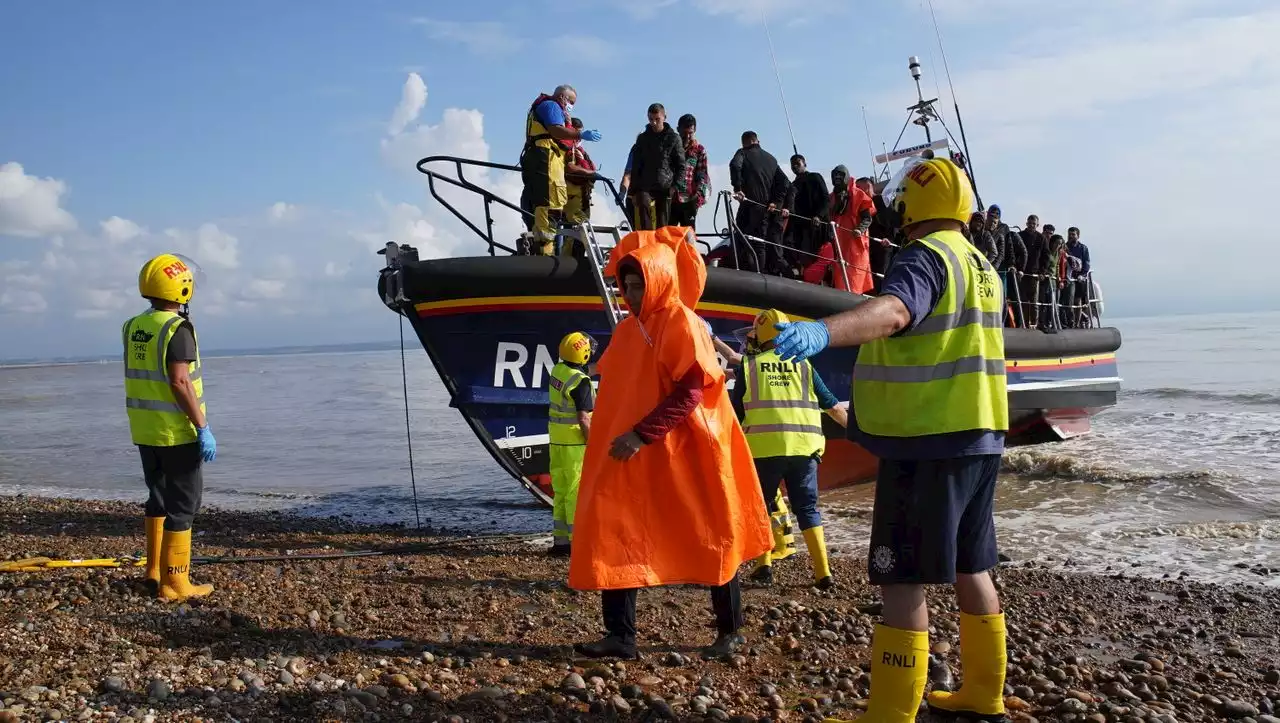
(763,330)
(577,347)
(924,190)
(168,277)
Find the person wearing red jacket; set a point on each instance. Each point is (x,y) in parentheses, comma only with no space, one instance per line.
(851,210)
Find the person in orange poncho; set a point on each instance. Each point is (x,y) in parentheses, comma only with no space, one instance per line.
(851,211)
(669,493)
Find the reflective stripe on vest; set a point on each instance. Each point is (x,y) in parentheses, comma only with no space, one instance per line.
(155,419)
(947,374)
(782,416)
(562,413)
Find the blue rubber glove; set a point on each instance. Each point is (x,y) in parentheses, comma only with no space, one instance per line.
(208,445)
(590,136)
(800,340)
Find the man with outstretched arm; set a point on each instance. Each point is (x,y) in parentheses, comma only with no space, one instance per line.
(929,400)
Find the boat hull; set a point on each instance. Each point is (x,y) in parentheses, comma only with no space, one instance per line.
(491,325)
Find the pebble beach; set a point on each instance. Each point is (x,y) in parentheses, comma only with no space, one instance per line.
(463,629)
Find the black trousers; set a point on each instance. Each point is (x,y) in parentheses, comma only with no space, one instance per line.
(175,485)
(619,610)
(684,214)
(652,209)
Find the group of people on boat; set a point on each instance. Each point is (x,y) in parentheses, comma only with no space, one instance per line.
(790,226)
(669,477)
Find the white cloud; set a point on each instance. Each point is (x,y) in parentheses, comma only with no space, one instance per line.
(118,229)
(101,303)
(263,289)
(22,301)
(483,37)
(412,99)
(31,206)
(588,48)
(281,212)
(644,9)
(750,11)
(208,245)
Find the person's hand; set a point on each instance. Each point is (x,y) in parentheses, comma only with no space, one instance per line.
(590,135)
(772,207)
(625,446)
(801,339)
(786,213)
(208,445)
(738,196)
(816,221)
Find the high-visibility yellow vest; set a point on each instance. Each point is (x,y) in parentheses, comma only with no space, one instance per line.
(536,134)
(782,416)
(562,413)
(155,419)
(947,374)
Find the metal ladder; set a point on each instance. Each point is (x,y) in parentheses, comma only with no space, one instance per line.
(598,257)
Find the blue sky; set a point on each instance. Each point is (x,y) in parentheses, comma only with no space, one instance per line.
(275,142)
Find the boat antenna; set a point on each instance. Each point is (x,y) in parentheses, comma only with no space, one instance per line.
(871,151)
(774,59)
(946,68)
(408,435)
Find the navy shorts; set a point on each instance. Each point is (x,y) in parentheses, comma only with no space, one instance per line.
(933,519)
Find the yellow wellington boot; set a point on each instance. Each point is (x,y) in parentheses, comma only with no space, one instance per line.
(899,668)
(983,658)
(155,535)
(816,541)
(784,539)
(175,582)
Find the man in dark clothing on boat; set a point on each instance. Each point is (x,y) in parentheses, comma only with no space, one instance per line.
(1076,290)
(1034,267)
(760,186)
(1013,256)
(807,197)
(656,164)
(694,185)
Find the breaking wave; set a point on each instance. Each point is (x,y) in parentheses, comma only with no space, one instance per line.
(1258,399)
(1067,466)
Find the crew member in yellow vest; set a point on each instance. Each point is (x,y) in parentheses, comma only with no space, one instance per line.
(572,399)
(547,136)
(164,398)
(929,400)
(780,405)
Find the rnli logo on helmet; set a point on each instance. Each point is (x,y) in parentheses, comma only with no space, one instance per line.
(579,344)
(175,269)
(922,174)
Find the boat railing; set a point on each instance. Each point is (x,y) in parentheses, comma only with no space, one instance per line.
(1083,311)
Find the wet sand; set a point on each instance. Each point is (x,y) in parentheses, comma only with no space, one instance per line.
(482,632)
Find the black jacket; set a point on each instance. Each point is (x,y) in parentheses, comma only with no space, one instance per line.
(1015,251)
(657,160)
(808,196)
(1037,252)
(755,172)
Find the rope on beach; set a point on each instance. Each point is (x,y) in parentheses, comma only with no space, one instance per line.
(43,564)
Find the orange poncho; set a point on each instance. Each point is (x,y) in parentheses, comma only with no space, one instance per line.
(686,509)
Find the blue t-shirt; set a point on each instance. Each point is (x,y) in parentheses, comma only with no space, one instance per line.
(918,277)
(549,113)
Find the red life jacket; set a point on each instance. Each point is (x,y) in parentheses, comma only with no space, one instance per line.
(533,115)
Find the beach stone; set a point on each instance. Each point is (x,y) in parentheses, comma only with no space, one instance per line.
(632,692)
(573,681)
(1237,709)
(296,666)
(486,693)
(1072,706)
(620,704)
(1272,677)
(285,678)
(158,690)
(113,684)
